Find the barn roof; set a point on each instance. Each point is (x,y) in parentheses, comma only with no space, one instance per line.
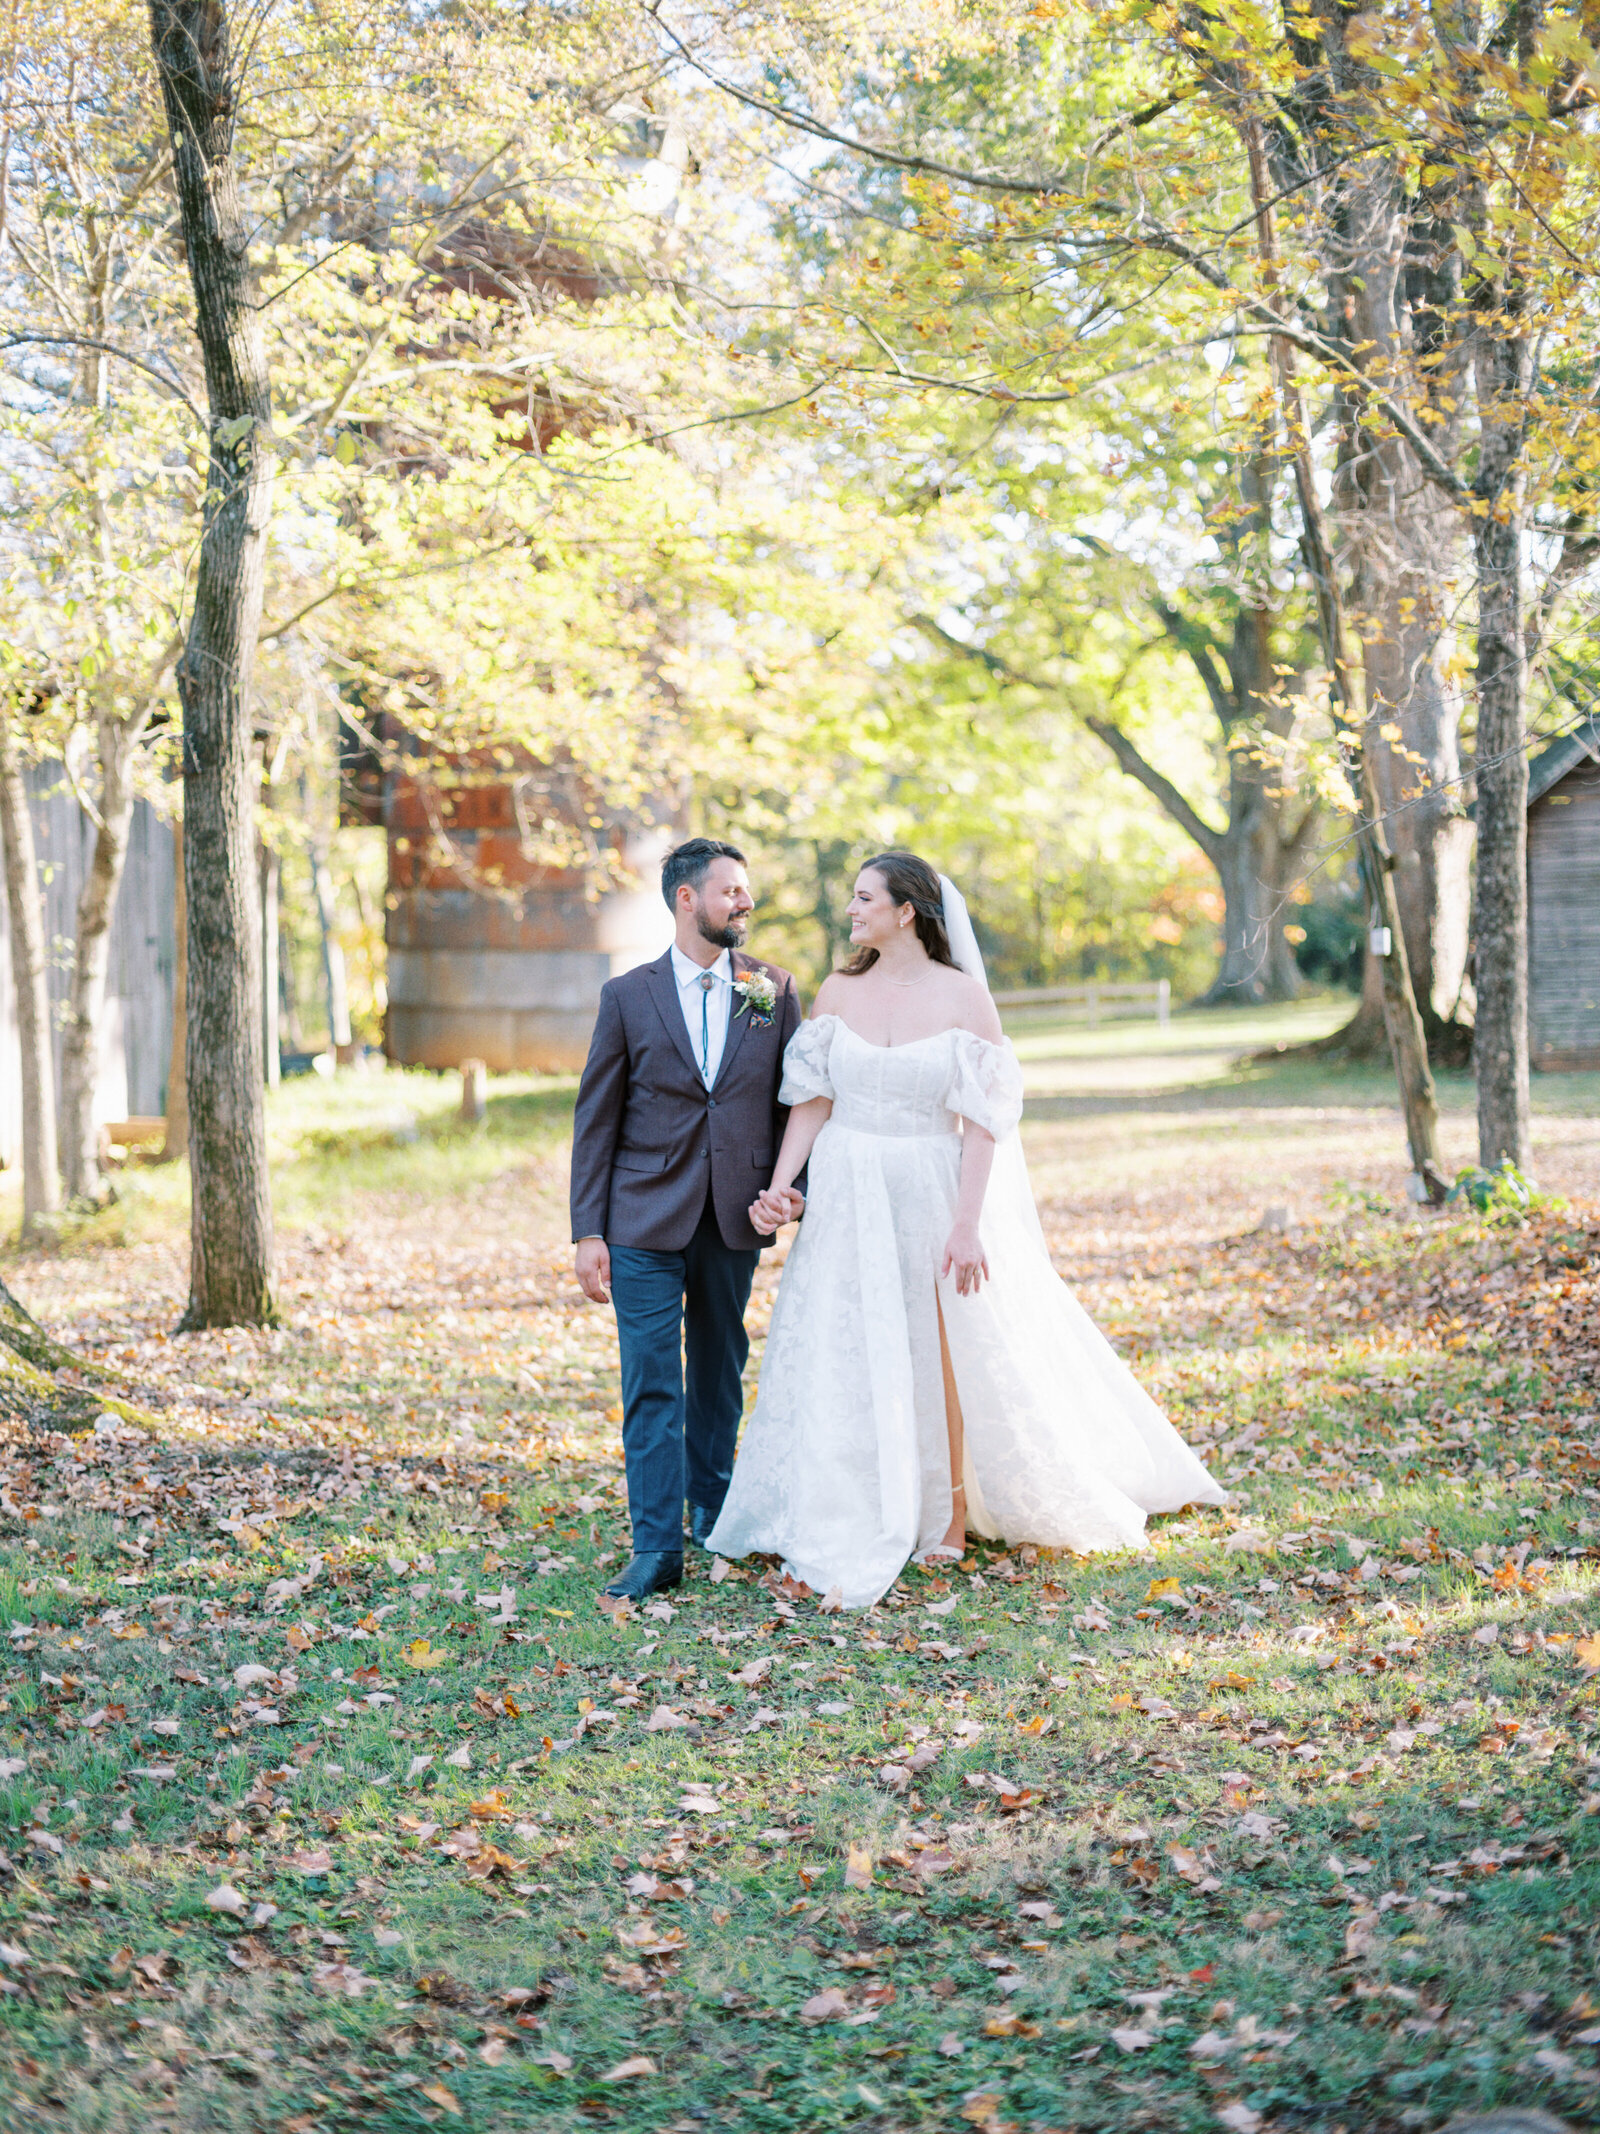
(1552,764)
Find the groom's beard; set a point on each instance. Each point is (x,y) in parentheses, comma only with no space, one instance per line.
(729,936)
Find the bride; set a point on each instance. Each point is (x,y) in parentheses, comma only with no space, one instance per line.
(927,1374)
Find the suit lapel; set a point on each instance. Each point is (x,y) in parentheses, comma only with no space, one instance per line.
(738,964)
(664,992)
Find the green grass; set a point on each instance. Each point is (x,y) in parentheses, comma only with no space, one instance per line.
(1393,1928)
(1224,1056)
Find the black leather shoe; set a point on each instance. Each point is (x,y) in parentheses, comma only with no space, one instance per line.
(700,1524)
(651,1573)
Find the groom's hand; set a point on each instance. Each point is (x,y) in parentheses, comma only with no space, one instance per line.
(776,1206)
(594,1269)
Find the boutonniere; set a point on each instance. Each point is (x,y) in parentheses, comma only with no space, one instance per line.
(758,998)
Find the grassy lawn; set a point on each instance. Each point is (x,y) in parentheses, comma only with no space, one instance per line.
(330,1800)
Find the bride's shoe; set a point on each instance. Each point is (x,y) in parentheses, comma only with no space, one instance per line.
(947,1551)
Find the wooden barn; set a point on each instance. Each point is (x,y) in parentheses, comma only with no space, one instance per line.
(1564,902)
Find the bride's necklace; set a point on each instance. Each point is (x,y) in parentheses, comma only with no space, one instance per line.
(921,975)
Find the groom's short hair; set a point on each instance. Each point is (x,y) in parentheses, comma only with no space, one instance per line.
(691,862)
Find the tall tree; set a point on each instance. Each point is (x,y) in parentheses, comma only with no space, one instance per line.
(231,1245)
(41,1183)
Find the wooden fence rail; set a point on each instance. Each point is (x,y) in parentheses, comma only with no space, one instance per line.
(1157,991)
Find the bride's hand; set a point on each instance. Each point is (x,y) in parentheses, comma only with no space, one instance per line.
(964,1256)
(774,1207)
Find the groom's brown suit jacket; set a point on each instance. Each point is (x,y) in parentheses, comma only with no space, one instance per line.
(650,1140)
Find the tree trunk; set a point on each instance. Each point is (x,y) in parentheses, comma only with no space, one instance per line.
(86,1004)
(271,882)
(1393,283)
(1244,972)
(1500,1043)
(1402,1019)
(1503,358)
(177,1141)
(41,1183)
(333,969)
(230,1275)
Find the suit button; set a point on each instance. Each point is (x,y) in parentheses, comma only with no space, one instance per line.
(711,1103)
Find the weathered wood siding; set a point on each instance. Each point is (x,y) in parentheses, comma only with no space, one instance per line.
(1564,922)
(137,1037)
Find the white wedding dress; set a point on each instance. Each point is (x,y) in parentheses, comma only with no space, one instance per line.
(844,1469)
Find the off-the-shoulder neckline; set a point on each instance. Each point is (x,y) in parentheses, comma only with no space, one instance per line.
(955,1030)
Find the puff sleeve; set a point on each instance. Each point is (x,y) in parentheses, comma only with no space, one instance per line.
(985,1083)
(805,1062)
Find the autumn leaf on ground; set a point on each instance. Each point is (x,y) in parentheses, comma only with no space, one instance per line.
(1160,1586)
(644,1939)
(826,2007)
(858,1868)
(629,2070)
(1586,1651)
(422,1656)
(1010,2026)
(436,2093)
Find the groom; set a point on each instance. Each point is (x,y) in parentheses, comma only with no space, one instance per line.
(676,1133)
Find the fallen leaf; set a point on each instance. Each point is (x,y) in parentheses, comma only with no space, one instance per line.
(627,2070)
(644,1938)
(225,1898)
(1009,2025)
(858,1868)
(1159,1586)
(826,2007)
(951,2046)
(420,1655)
(1131,2040)
(1240,2118)
(436,2093)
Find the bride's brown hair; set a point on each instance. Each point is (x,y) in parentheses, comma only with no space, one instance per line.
(912,881)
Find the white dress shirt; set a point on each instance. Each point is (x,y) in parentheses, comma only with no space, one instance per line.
(705,1010)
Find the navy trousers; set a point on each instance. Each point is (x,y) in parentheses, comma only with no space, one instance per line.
(680,1326)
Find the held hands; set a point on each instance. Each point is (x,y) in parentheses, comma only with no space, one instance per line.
(964,1254)
(774,1207)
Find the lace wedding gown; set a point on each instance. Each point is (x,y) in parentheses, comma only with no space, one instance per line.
(844,1470)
